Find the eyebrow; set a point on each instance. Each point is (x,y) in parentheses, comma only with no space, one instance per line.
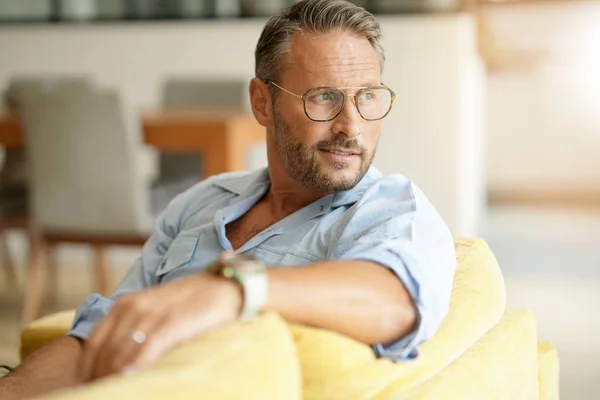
(372,85)
(368,85)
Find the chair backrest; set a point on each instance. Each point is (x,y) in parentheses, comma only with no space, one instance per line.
(83,168)
(24,85)
(179,92)
(13,168)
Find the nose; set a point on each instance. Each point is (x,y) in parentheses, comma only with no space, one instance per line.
(347,123)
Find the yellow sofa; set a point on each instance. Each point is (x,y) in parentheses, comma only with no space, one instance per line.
(481,351)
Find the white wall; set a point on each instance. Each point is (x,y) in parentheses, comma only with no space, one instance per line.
(543,120)
(432,135)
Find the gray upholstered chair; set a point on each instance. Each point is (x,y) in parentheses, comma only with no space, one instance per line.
(86,183)
(13,167)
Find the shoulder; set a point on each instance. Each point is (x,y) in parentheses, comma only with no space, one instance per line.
(388,202)
(397,190)
(390,211)
(386,192)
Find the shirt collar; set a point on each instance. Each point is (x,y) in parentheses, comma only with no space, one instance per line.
(240,183)
(353,195)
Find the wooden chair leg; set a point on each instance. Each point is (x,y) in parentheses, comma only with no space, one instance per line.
(36,279)
(101,283)
(7,263)
(53,277)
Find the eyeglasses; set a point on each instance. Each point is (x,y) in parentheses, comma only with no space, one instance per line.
(324,104)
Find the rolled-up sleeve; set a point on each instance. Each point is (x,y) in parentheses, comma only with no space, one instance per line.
(89,313)
(397,227)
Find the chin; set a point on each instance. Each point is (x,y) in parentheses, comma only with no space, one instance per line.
(341,177)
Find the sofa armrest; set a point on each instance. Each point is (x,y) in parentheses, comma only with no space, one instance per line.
(547,371)
(501,365)
(253,360)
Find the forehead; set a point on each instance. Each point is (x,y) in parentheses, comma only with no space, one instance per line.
(333,59)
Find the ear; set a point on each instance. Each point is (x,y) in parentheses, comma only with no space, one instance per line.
(260,100)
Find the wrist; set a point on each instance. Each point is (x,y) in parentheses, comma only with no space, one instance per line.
(232,295)
(248,274)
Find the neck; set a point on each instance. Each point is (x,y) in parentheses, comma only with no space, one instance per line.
(285,198)
(286,195)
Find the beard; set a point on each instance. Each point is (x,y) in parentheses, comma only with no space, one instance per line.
(302,163)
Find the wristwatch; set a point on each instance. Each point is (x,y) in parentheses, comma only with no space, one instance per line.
(251,274)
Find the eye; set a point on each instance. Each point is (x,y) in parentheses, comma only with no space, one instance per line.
(326,96)
(368,96)
(323,97)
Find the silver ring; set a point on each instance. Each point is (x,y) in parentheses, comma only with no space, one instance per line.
(138,336)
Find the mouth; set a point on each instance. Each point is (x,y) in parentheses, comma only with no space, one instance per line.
(341,152)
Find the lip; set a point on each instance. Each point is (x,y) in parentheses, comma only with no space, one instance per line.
(338,156)
(340,152)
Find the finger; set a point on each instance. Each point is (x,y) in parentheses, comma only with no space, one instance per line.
(162,338)
(171,330)
(94,345)
(119,341)
(127,348)
(112,346)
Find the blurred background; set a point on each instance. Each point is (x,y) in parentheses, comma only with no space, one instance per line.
(112,107)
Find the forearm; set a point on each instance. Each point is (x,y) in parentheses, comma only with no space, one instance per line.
(359,299)
(52,367)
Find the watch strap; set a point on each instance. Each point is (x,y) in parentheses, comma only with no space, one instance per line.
(251,275)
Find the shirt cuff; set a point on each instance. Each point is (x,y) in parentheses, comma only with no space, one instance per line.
(406,348)
(92,311)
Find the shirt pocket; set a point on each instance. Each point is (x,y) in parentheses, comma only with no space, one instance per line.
(285,256)
(298,257)
(180,252)
(269,256)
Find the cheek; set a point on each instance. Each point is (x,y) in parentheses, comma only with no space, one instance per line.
(315,132)
(309,133)
(292,108)
(370,133)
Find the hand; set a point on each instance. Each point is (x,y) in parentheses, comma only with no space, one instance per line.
(143,326)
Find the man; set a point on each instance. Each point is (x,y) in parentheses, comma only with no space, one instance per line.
(346,248)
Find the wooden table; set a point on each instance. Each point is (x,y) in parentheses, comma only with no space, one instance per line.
(220,137)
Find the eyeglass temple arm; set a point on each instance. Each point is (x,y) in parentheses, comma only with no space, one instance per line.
(285,90)
(347,94)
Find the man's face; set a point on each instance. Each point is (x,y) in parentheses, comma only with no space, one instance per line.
(331,156)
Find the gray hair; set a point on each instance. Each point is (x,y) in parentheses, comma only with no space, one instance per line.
(317,16)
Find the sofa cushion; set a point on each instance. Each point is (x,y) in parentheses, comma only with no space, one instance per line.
(250,360)
(44,330)
(336,367)
(501,365)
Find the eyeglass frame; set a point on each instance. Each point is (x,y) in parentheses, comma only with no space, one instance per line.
(345,97)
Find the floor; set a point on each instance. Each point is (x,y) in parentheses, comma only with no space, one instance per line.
(75,282)
(551,264)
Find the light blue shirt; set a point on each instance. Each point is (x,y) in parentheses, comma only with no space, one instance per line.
(384,219)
